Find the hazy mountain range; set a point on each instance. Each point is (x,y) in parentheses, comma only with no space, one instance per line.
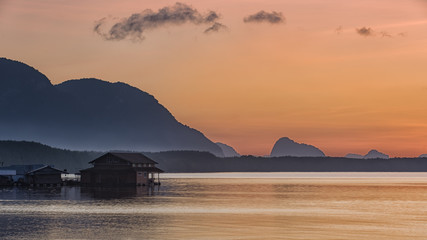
(88,114)
(21,152)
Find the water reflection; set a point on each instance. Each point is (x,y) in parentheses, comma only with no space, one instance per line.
(221,209)
(76,193)
(118,192)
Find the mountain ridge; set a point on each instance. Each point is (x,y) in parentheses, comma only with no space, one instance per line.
(228,150)
(89,113)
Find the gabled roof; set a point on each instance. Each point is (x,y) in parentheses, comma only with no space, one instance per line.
(130,157)
(137,169)
(44,167)
(149,169)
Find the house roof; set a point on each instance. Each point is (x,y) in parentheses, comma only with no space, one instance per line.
(142,169)
(149,169)
(44,167)
(130,157)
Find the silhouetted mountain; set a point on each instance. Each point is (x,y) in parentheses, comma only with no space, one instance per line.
(88,114)
(287,147)
(353,155)
(228,150)
(423,156)
(375,154)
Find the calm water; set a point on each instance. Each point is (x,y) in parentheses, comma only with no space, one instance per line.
(226,206)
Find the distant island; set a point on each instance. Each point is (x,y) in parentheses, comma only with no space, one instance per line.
(371,154)
(287,147)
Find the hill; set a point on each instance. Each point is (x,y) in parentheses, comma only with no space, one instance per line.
(287,147)
(12,152)
(375,154)
(23,152)
(88,114)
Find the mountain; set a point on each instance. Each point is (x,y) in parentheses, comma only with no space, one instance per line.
(375,154)
(353,155)
(287,147)
(228,150)
(88,114)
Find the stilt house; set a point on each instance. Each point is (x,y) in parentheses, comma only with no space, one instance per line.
(121,169)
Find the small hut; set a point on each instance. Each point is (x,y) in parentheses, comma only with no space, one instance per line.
(121,169)
(45,176)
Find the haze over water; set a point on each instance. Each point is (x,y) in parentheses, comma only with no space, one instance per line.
(271,206)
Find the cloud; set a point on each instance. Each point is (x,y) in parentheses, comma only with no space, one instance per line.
(263,16)
(134,26)
(402,34)
(369,32)
(366,32)
(385,34)
(216,27)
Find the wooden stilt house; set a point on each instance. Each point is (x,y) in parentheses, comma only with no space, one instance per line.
(121,169)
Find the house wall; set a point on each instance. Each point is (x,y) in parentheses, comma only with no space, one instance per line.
(141,178)
(45,179)
(5,181)
(109,178)
(86,177)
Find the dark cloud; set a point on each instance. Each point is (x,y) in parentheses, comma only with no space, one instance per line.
(216,27)
(365,31)
(369,32)
(135,25)
(263,16)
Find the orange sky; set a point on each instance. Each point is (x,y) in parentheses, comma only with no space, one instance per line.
(254,83)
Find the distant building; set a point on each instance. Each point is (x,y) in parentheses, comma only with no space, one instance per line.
(45,176)
(121,169)
(20,171)
(6,177)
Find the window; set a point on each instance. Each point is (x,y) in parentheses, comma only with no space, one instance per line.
(145,174)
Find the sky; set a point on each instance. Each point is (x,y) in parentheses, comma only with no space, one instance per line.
(345,76)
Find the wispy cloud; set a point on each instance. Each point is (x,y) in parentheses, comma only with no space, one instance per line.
(134,26)
(385,34)
(216,27)
(402,34)
(263,16)
(369,32)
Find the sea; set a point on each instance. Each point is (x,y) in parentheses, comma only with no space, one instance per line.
(206,206)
